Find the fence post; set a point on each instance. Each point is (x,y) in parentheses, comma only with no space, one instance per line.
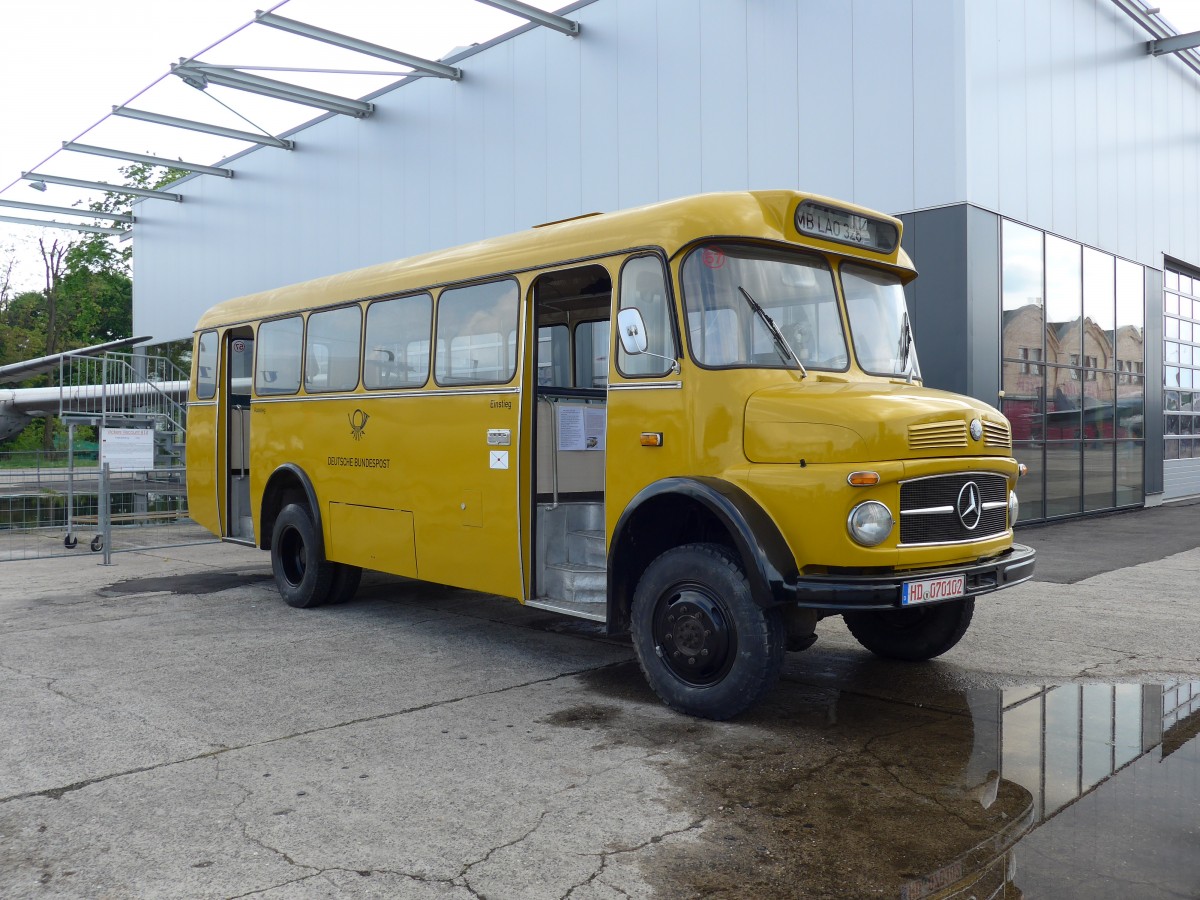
(67,542)
(105,516)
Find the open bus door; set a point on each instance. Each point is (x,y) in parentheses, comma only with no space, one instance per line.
(237,523)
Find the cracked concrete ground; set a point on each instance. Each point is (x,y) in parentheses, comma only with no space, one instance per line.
(172,729)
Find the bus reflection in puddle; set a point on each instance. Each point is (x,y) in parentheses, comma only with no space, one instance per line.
(1076,790)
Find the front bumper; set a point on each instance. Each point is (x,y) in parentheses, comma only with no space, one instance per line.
(840,593)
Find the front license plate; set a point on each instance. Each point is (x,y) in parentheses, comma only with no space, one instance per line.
(931,589)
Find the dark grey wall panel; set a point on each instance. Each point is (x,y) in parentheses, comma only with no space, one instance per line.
(983,304)
(936,239)
(1153,422)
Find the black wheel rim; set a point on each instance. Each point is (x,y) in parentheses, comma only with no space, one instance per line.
(292,556)
(694,635)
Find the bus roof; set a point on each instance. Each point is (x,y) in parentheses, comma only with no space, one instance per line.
(671,225)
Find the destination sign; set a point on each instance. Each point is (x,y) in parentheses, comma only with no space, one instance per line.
(832,224)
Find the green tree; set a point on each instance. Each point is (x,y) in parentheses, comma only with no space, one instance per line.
(88,295)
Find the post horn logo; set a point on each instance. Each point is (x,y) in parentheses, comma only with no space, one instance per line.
(358,422)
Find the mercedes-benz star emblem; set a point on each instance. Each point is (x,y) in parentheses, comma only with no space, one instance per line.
(969,507)
(976,429)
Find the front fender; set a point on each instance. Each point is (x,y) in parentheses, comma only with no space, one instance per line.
(661,516)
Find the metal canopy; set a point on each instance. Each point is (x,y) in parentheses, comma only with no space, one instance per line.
(147,158)
(67,210)
(533,14)
(1173,44)
(190,124)
(70,226)
(425,66)
(201,76)
(1147,17)
(103,186)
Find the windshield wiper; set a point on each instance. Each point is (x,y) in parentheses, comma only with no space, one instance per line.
(785,352)
(905,347)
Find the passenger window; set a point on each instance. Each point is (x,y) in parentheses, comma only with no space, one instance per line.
(397,347)
(477,334)
(206,365)
(331,357)
(554,357)
(644,285)
(278,367)
(591,354)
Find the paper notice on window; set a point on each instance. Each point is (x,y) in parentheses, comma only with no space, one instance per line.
(581,427)
(594,421)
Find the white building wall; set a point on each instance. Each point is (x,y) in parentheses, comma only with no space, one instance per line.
(864,100)
(1072,127)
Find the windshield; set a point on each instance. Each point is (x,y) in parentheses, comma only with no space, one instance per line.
(796,292)
(879,321)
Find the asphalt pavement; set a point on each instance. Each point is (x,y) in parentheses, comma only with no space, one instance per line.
(172,729)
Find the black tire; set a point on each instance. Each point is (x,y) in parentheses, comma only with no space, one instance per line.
(304,577)
(345,583)
(706,648)
(912,634)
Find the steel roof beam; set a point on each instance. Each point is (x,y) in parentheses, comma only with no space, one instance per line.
(427,66)
(200,76)
(146,158)
(1173,44)
(67,210)
(206,128)
(533,14)
(103,186)
(70,226)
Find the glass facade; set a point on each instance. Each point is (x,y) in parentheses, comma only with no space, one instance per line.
(1181,365)
(1073,372)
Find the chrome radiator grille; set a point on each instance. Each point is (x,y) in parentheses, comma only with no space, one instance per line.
(930,508)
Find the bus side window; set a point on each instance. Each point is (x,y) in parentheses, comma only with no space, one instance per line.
(206,365)
(333,339)
(553,357)
(397,345)
(644,285)
(277,370)
(591,354)
(477,333)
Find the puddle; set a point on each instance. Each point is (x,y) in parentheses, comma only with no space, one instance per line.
(917,789)
(196,583)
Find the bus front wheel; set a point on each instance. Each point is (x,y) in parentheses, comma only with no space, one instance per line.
(304,577)
(912,634)
(706,648)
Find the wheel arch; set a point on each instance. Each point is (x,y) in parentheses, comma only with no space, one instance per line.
(288,484)
(683,510)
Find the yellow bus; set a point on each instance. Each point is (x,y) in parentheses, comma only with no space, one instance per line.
(700,421)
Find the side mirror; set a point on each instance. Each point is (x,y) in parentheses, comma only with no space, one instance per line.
(632,329)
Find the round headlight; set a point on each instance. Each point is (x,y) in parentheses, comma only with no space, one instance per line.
(870,523)
(1014,508)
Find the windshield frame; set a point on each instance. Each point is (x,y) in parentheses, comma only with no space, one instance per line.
(769,252)
(913,371)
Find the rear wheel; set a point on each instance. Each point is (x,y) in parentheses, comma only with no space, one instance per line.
(704,645)
(912,634)
(345,583)
(304,577)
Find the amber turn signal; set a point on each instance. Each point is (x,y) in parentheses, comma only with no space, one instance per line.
(652,439)
(863,479)
(1022,470)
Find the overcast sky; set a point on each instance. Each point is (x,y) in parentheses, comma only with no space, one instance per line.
(65,63)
